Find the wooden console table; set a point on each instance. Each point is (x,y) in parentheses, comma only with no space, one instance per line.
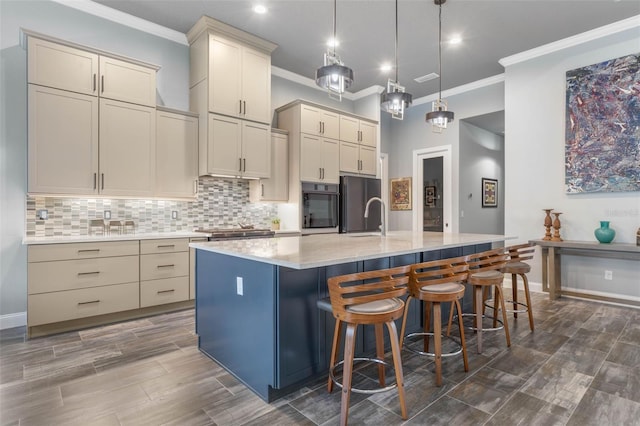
(552,250)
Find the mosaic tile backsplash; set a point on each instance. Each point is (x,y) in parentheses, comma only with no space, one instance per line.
(220,203)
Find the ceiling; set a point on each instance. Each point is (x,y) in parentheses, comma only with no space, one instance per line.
(490,29)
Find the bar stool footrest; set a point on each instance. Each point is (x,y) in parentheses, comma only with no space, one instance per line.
(489,304)
(457,351)
(483,317)
(357,390)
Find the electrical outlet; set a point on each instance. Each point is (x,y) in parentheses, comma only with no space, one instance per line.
(43,214)
(174,214)
(107,214)
(608,275)
(461,213)
(239,288)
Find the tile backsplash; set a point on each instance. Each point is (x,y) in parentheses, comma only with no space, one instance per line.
(220,203)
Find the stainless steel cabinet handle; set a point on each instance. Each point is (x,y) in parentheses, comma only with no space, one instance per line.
(88,273)
(166,266)
(195,186)
(88,251)
(239,106)
(319,172)
(89,302)
(244,107)
(102,83)
(94,81)
(167,246)
(239,164)
(102,180)
(95,181)
(262,191)
(244,164)
(166,291)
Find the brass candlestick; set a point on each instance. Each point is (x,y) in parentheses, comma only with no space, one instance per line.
(556,227)
(547,225)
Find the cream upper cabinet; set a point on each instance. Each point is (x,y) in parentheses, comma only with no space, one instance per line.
(275,188)
(127,148)
(319,158)
(63,142)
(176,155)
(368,160)
(358,131)
(225,77)
(358,146)
(237,148)
(62,67)
(316,121)
(128,82)
(368,133)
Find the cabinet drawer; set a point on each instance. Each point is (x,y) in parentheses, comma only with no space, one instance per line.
(73,304)
(164,246)
(168,290)
(44,253)
(166,265)
(75,274)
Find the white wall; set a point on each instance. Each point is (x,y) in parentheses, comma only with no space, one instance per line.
(534,161)
(59,21)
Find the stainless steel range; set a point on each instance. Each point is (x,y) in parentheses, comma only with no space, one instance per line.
(217,234)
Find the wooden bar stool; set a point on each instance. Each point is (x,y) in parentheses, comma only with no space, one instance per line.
(435,282)
(368,298)
(485,271)
(516,266)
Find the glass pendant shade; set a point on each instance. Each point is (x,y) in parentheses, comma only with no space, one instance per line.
(334,76)
(395,100)
(439,116)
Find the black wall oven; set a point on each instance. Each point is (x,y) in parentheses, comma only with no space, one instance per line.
(319,207)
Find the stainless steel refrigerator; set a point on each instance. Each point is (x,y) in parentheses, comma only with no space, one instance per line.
(355,191)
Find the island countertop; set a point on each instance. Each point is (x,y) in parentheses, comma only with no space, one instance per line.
(311,251)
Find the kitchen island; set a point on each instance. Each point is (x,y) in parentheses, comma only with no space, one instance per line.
(256,300)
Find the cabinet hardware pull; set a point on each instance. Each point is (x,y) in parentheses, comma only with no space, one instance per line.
(95,180)
(239,106)
(165,291)
(89,302)
(166,266)
(244,164)
(239,164)
(102,83)
(262,185)
(88,251)
(195,186)
(319,172)
(88,273)
(94,81)
(244,107)
(102,180)
(166,246)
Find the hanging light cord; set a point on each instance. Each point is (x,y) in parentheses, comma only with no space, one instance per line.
(396,41)
(440,48)
(334,27)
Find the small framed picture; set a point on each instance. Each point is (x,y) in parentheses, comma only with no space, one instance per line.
(400,194)
(489,192)
(429,196)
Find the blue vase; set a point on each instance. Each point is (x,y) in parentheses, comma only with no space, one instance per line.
(604,234)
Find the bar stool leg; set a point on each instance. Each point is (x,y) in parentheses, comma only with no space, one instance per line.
(404,320)
(514,290)
(477,290)
(437,342)
(499,294)
(334,351)
(397,364)
(427,326)
(380,353)
(347,372)
(525,281)
(462,339)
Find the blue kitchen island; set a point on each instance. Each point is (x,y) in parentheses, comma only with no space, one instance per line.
(256,300)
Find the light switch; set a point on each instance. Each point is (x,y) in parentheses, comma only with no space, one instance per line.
(174,214)
(107,214)
(239,288)
(43,214)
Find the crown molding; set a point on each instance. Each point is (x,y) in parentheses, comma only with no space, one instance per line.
(485,82)
(110,14)
(607,30)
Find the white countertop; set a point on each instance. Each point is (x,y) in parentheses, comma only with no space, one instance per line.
(313,251)
(110,237)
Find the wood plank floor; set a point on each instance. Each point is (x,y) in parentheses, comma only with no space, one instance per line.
(581,366)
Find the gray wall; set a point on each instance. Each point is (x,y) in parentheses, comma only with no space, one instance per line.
(69,24)
(481,156)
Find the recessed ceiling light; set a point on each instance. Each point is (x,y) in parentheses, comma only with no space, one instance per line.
(260,8)
(333,42)
(455,39)
(386,67)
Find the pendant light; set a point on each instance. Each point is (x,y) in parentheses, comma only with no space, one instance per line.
(394,100)
(439,117)
(334,76)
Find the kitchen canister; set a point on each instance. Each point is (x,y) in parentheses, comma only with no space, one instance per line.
(604,234)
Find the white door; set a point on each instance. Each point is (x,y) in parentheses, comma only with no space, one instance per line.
(349,157)
(447,199)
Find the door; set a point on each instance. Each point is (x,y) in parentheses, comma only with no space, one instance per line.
(223,146)
(368,134)
(368,160)
(349,128)
(330,161)
(124,81)
(432,174)
(310,158)
(349,157)
(443,152)
(256,86)
(225,77)
(256,150)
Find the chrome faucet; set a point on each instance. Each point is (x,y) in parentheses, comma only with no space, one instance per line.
(383,228)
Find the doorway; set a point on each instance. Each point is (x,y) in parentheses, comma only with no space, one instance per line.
(432,186)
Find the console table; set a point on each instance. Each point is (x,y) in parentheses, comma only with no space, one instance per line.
(552,250)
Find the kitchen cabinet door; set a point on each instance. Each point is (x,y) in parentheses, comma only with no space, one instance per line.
(256,86)
(176,155)
(368,160)
(349,128)
(62,67)
(310,158)
(256,150)
(127,82)
(276,187)
(330,161)
(127,148)
(368,134)
(63,142)
(316,121)
(225,76)
(223,146)
(349,157)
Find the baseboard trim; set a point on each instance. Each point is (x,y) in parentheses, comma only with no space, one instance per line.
(13,320)
(533,287)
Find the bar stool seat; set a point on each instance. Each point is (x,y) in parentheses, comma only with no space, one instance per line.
(517,267)
(435,282)
(367,298)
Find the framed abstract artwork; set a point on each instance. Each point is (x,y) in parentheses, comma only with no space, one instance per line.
(489,192)
(400,194)
(602,127)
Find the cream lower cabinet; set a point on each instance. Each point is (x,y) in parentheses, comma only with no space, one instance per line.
(176,162)
(236,148)
(74,281)
(275,188)
(164,271)
(319,159)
